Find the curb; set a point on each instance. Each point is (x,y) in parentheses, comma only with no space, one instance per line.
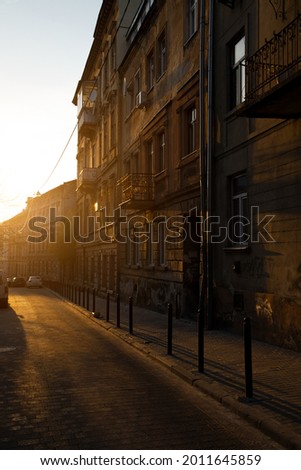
(269,426)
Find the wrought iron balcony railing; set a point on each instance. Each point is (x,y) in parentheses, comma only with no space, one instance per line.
(279,60)
(137,189)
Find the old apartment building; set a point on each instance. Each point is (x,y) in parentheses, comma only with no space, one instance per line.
(188,160)
(138,153)
(39,240)
(256,166)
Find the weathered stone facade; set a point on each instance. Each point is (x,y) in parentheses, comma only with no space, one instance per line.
(259,138)
(39,240)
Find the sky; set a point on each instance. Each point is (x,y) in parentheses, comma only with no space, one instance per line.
(44,45)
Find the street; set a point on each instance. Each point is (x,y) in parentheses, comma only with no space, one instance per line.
(67,383)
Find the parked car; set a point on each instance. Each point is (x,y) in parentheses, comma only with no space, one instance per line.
(18,282)
(34,281)
(3,290)
(9,281)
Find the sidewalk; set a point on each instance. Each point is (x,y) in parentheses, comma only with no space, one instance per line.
(276,404)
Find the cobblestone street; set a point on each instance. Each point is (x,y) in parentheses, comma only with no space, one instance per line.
(68,384)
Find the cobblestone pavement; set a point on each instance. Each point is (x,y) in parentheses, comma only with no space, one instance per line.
(276,403)
(68,384)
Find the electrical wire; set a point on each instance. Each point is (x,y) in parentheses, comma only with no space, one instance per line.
(60,158)
(94,84)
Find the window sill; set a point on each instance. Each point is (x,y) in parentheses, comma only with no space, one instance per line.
(150,90)
(232,113)
(186,159)
(161,76)
(189,39)
(161,175)
(237,249)
(162,267)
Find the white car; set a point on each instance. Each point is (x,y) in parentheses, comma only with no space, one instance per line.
(34,281)
(3,290)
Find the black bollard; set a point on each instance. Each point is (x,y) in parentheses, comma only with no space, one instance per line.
(94,300)
(169,329)
(88,299)
(118,310)
(131,315)
(108,307)
(200,340)
(84,297)
(248,357)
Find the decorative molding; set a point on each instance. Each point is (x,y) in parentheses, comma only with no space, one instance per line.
(279,8)
(228,3)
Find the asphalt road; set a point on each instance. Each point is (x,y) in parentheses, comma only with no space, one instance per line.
(66,383)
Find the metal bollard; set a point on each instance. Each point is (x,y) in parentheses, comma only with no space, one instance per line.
(88,299)
(169,329)
(79,292)
(118,310)
(131,315)
(108,307)
(248,357)
(84,297)
(200,340)
(94,300)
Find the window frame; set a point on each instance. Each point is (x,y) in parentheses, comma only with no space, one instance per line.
(150,70)
(190,18)
(237,72)
(161,158)
(239,211)
(162,53)
(189,128)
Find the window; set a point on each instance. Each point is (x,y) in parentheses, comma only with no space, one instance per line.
(162,57)
(105,74)
(149,244)
(137,85)
(132,247)
(191,115)
(191,17)
(106,139)
(129,98)
(149,157)
(189,130)
(113,57)
(161,153)
(113,128)
(239,221)
(93,156)
(161,243)
(238,72)
(150,72)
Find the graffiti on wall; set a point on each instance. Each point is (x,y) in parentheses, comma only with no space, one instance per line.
(259,266)
(264,309)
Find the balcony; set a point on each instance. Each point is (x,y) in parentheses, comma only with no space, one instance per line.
(137,191)
(86,122)
(273,76)
(86,179)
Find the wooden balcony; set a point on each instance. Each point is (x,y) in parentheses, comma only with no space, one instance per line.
(273,76)
(137,191)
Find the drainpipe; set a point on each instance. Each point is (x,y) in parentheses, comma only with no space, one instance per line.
(202,313)
(203,169)
(206,139)
(209,161)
